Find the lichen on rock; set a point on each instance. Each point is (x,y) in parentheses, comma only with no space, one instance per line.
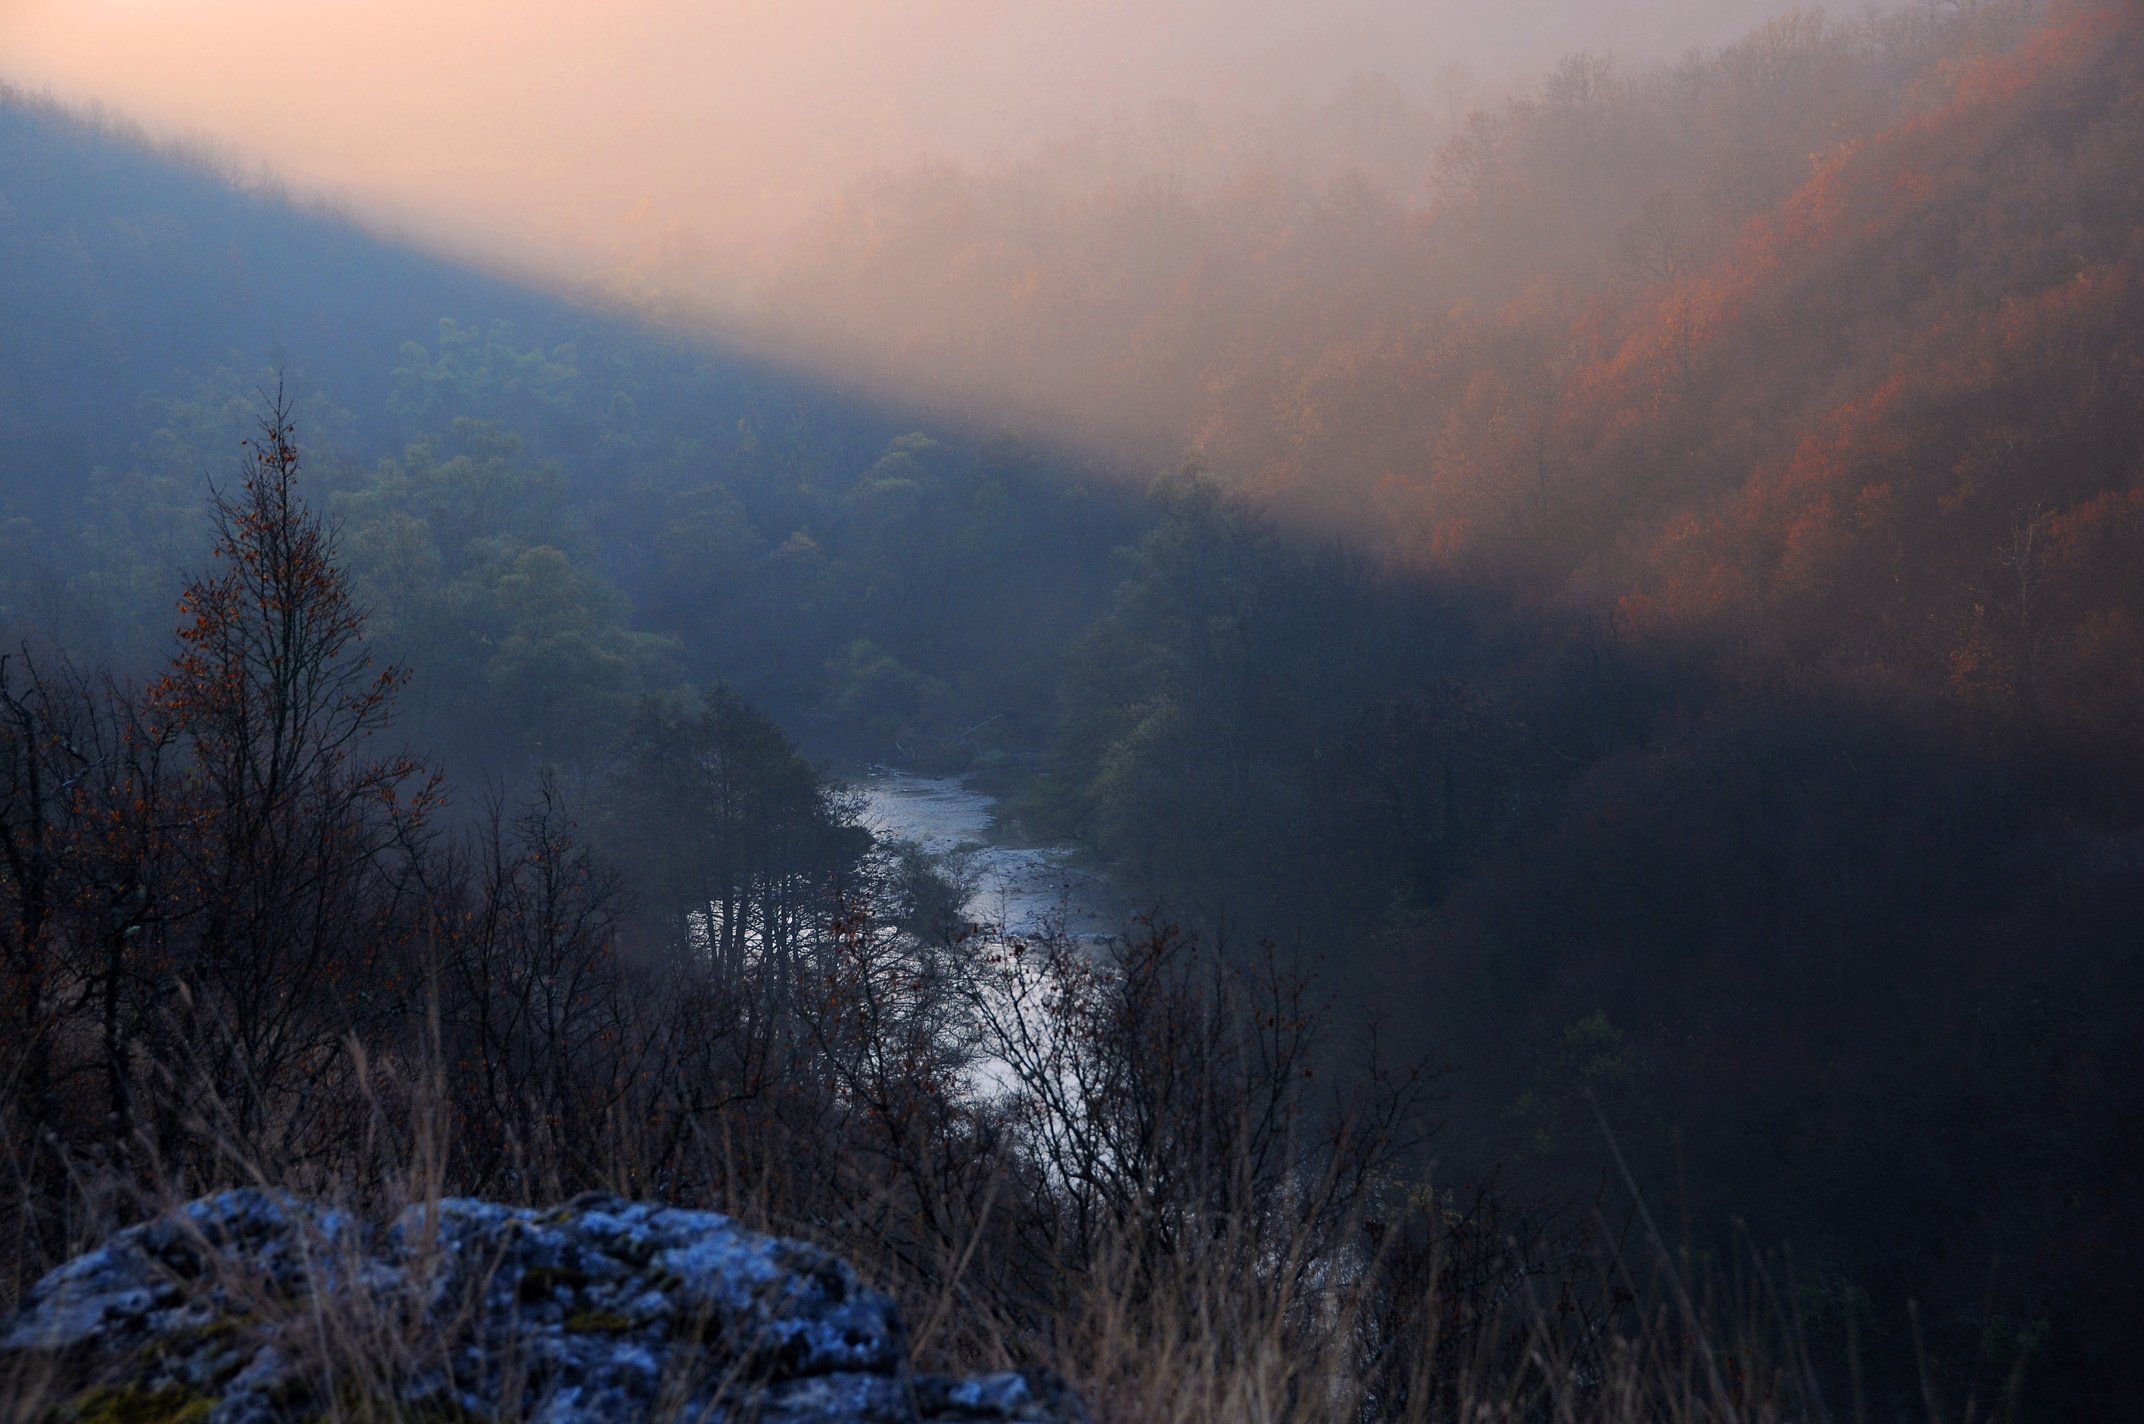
(254,1308)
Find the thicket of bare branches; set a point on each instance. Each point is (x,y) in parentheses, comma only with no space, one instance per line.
(238,949)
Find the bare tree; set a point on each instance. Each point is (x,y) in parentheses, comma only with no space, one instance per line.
(1656,248)
(293,827)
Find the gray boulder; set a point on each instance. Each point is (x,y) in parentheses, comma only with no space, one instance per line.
(254,1308)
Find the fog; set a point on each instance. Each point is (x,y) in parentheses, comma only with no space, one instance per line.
(1603,536)
(675,150)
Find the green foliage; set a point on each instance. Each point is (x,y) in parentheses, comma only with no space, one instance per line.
(468,371)
(872,692)
(145,523)
(459,557)
(476,491)
(740,849)
(562,660)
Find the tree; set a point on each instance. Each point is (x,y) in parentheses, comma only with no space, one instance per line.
(1473,165)
(740,850)
(535,1011)
(294,829)
(41,760)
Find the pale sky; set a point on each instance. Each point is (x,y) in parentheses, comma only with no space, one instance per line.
(554,134)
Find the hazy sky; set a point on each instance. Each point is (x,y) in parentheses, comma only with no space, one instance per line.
(559,132)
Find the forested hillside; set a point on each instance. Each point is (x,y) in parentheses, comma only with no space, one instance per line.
(1662,618)
(547,511)
(1633,584)
(1762,760)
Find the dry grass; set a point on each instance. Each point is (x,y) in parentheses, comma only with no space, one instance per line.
(1232,1276)
(1255,1327)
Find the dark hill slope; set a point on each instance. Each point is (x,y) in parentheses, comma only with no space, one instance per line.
(537,497)
(1789,808)
(127,264)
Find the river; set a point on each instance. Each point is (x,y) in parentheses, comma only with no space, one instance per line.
(1027,888)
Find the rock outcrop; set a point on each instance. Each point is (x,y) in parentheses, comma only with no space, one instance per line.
(254,1308)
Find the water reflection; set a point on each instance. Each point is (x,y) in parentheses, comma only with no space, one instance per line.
(1025,888)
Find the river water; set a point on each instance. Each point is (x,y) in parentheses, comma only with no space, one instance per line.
(1025,887)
